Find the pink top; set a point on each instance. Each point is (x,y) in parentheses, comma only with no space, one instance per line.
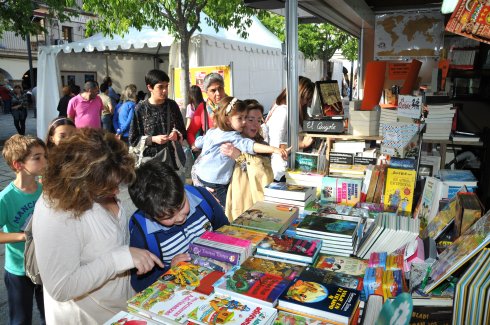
(85,113)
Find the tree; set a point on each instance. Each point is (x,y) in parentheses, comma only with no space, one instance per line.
(316,41)
(17,15)
(180,17)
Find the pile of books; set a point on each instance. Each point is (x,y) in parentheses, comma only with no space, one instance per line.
(454,179)
(290,249)
(439,122)
(387,116)
(294,195)
(297,177)
(363,123)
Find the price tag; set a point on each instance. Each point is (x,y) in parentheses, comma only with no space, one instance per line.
(409,106)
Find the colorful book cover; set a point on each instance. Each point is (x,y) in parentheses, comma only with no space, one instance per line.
(255,286)
(470,19)
(210,263)
(427,208)
(325,225)
(341,190)
(457,177)
(224,239)
(284,318)
(346,265)
(268,217)
(215,253)
(192,277)
(300,249)
(219,309)
(255,237)
(400,184)
(461,251)
(329,277)
(282,269)
(288,191)
(306,162)
(324,300)
(125,318)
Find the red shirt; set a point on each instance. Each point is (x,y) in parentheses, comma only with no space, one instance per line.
(197,123)
(4,93)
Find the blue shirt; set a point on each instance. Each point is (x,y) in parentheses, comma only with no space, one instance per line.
(214,167)
(176,239)
(125,116)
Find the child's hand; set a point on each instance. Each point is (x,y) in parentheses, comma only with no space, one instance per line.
(282,152)
(144,261)
(185,257)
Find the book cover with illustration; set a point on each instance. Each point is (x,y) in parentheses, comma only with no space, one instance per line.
(290,248)
(428,204)
(267,217)
(341,190)
(400,184)
(255,286)
(330,277)
(215,253)
(219,309)
(327,226)
(461,251)
(284,318)
(282,269)
(341,264)
(306,162)
(125,318)
(324,300)
(255,237)
(288,191)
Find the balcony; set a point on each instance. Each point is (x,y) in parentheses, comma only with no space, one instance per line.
(12,44)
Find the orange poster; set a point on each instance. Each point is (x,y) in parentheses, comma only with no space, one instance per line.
(471,19)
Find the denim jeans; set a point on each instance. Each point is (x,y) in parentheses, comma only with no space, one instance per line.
(20,116)
(20,294)
(220,191)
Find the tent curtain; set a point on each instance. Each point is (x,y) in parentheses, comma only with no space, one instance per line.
(48,89)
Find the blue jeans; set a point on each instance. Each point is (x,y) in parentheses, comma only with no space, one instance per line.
(220,191)
(20,294)
(107,123)
(7,104)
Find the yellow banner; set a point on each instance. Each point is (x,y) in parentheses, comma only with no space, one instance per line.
(196,76)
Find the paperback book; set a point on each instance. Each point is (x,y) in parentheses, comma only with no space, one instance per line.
(400,184)
(341,190)
(327,226)
(289,248)
(281,269)
(253,236)
(288,191)
(341,264)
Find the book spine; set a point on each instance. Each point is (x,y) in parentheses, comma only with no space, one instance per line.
(224,239)
(214,253)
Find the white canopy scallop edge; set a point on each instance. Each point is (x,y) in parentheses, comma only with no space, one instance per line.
(49,74)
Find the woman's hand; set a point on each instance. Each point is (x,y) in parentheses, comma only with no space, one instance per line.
(144,261)
(229,150)
(185,257)
(282,152)
(160,139)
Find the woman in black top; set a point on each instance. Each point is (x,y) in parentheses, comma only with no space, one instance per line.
(63,103)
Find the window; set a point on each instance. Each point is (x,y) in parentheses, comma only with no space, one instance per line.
(67,33)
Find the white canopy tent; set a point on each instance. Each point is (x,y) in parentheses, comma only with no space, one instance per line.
(257,61)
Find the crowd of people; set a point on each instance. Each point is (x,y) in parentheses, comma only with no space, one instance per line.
(103,228)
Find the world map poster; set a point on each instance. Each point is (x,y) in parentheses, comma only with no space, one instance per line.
(408,35)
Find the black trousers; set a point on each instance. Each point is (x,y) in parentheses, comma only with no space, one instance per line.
(20,116)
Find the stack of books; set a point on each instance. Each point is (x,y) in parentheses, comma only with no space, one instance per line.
(294,195)
(336,232)
(439,122)
(363,123)
(387,116)
(267,217)
(297,177)
(290,249)
(457,136)
(454,179)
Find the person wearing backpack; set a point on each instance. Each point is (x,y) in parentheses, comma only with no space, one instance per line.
(170,217)
(26,156)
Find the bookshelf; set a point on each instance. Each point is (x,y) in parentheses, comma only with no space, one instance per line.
(334,137)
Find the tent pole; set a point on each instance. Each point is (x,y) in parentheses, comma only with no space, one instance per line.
(292,75)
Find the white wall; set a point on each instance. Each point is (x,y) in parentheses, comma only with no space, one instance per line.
(16,67)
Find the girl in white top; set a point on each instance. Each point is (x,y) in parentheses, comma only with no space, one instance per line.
(277,123)
(80,229)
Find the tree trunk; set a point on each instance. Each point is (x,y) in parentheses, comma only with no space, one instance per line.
(184,60)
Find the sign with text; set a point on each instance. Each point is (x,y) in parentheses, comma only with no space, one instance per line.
(324,126)
(398,71)
(409,106)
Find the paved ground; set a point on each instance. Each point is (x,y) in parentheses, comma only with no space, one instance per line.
(6,176)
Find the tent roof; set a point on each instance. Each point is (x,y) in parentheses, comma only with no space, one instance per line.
(149,38)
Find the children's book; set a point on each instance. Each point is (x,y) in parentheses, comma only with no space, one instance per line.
(316,299)
(471,314)
(227,243)
(267,217)
(400,184)
(441,221)
(428,204)
(282,269)
(341,190)
(215,253)
(289,248)
(284,318)
(288,191)
(254,286)
(255,237)
(341,264)
(334,227)
(219,309)
(329,277)
(461,251)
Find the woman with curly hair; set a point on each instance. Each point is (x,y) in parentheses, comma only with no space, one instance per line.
(80,228)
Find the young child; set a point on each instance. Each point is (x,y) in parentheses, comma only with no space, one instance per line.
(215,169)
(60,128)
(26,155)
(167,224)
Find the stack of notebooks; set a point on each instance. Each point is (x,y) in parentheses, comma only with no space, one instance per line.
(439,122)
(388,233)
(294,195)
(267,217)
(336,232)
